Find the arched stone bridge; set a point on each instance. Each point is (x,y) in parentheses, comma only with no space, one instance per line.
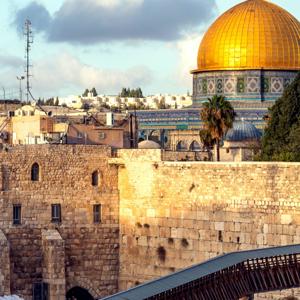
(231,276)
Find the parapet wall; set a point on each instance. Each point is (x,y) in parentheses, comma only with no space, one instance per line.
(176,214)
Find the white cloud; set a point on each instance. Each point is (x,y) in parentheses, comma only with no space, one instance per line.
(64,73)
(188,52)
(114,3)
(98,21)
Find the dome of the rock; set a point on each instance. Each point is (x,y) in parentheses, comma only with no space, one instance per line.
(254,34)
(249,54)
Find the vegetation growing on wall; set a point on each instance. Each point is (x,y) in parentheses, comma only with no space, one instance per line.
(281,141)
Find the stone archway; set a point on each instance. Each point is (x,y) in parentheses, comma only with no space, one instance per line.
(155,136)
(78,293)
(181,146)
(195,146)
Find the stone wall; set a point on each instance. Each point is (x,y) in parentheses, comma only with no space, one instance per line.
(184,156)
(176,214)
(170,215)
(54,263)
(4,265)
(90,250)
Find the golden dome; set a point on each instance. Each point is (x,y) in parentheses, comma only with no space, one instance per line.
(255,34)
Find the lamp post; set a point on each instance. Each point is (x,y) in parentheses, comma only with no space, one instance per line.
(3,92)
(20,86)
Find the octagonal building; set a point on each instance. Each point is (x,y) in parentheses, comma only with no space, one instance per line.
(249,55)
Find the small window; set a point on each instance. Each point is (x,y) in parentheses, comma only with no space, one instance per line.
(56,213)
(102,135)
(97,213)
(79,135)
(95,178)
(17,214)
(35,172)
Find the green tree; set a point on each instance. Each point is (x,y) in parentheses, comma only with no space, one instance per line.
(40,102)
(123,93)
(56,103)
(94,92)
(132,93)
(139,93)
(217,115)
(281,140)
(50,101)
(85,93)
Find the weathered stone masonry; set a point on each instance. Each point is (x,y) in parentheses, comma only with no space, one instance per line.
(75,252)
(157,216)
(176,214)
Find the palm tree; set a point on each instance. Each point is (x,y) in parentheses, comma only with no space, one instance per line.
(207,141)
(217,115)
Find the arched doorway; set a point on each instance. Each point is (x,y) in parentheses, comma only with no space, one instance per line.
(78,293)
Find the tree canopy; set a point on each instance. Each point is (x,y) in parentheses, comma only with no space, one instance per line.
(217,115)
(132,93)
(92,91)
(51,101)
(85,93)
(281,140)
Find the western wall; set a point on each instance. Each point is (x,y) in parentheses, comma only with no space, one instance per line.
(157,216)
(176,214)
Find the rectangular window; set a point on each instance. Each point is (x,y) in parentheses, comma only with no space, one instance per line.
(97,213)
(56,213)
(102,135)
(17,214)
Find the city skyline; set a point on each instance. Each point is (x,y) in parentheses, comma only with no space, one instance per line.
(76,49)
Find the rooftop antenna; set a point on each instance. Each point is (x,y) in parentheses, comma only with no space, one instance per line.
(29,40)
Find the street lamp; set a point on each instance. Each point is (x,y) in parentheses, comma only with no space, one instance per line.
(20,87)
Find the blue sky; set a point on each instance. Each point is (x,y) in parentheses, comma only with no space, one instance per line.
(108,44)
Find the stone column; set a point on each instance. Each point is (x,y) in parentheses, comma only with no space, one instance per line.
(4,265)
(54,264)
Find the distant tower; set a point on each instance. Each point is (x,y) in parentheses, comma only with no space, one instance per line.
(29,40)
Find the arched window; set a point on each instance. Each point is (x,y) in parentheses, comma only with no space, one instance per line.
(195,146)
(181,146)
(95,178)
(35,172)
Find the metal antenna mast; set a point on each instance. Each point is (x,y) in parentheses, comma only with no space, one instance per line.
(29,40)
